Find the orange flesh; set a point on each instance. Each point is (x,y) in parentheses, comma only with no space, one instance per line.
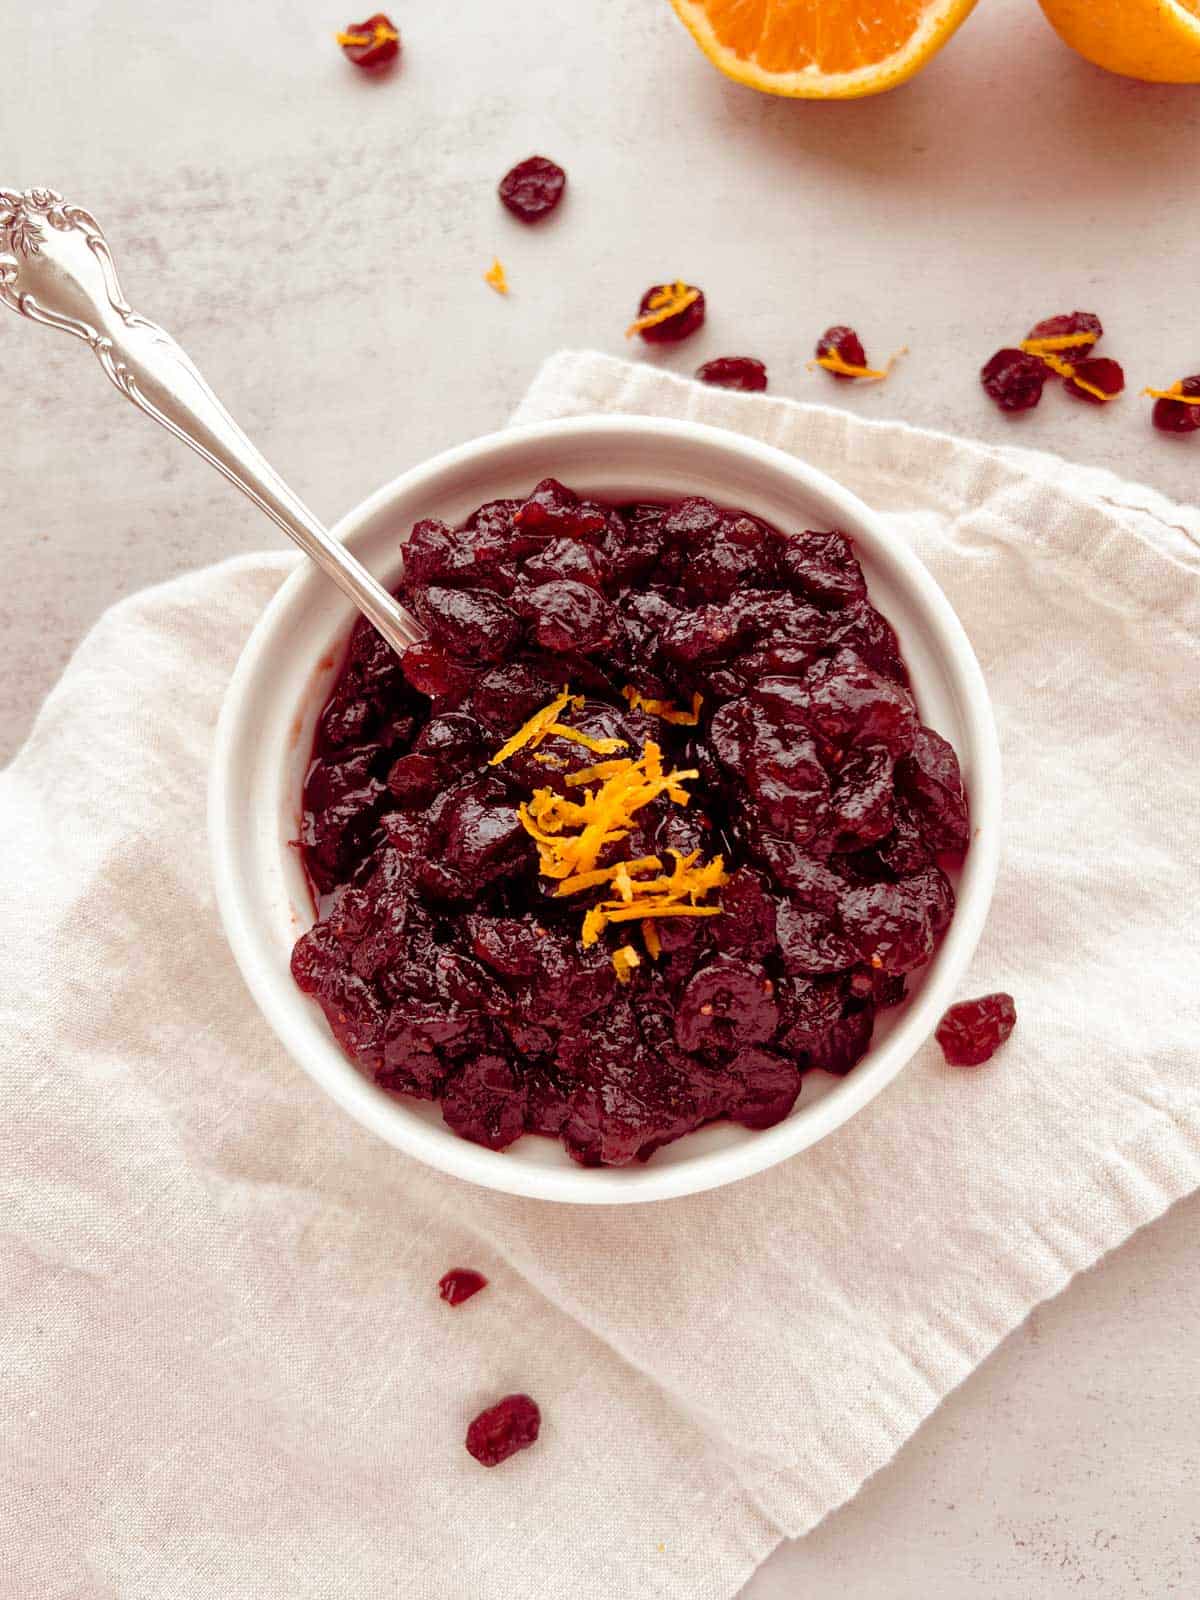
(834,35)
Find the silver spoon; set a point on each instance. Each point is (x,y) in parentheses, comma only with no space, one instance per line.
(56,268)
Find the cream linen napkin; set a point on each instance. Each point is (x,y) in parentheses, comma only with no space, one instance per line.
(224,1370)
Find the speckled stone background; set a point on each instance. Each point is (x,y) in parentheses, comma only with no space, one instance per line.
(316,241)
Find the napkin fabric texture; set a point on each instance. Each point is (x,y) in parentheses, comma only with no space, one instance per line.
(224,1368)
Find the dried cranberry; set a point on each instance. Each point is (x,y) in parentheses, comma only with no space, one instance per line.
(473,624)
(1067,325)
(734,372)
(533,188)
(766,1088)
(1172,416)
(842,342)
(929,775)
(431,670)
(552,508)
(510,1425)
(1098,372)
(895,926)
(370,44)
(671,329)
(823,568)
(1014,380)
(459,1284)
(728,1004)
(973,1030)
(570,616)
(485,1102)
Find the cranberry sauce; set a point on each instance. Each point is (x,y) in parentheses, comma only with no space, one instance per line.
(747,665)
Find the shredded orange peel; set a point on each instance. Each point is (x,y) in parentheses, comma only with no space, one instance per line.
(496,277)
(1175,392)
(1057,343)
(545,722)
(832,362)
(664,710)
(571,831)
(624,959)
(381,35)
(1050,351)
(664,304)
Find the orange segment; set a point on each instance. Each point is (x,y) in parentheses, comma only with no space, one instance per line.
(821,49)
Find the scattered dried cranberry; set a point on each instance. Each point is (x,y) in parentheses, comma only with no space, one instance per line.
(1172,416)
(510,1425)
(372,43)
(459,1284)
(734,372)
(845,343)
(1068,325)
(533,188)
(1098,372)
(971,1032)
(673,328)
(1014,380)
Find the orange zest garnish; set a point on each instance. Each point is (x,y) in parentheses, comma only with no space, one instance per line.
(1065,369)
(651,940)
(832,362)
(495,277)
(1058,343)
(600,747)
(664,304)
(536,729)
(382,34)
(572,830)
(665,710)
(624,959)
(1175,392)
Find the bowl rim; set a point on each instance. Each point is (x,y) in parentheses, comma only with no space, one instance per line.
(283,1005)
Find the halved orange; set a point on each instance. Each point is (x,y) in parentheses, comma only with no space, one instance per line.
(1158,40)
(821,49)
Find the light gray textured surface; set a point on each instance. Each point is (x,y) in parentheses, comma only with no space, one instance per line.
(316,241)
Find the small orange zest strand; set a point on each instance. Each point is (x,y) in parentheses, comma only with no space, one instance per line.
(665,710)
(664,304)
(1066,370)
(1058,343)
(536,729)
(495,277)
(651,940)
(624,959)
(832,362)
(1175,392)
(382,35)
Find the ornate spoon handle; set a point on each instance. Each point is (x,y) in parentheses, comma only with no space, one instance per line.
(56,268)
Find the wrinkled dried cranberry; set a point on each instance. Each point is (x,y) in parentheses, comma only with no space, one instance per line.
(370,44)
(499,1432)
(1171,416)
(459,1284)
(1014,380)
(1099,372)
(485,1102)
(734,372)
(431,670)
(571,616)
(671,329)
(552,508)
(973,1030)
(766,1088)
(929,775)
(473,624)
(533,188)
(728,1004)
(1066,325)
(824,568)
(895,926)
(844,342)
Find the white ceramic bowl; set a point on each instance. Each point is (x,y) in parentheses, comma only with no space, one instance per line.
(265,736)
